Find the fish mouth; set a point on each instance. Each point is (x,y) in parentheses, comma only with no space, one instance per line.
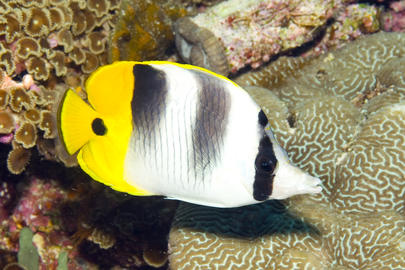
(315,184)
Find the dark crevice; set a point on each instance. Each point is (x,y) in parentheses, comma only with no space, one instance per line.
(292,120)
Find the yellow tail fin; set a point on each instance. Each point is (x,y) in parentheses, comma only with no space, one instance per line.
(75,118)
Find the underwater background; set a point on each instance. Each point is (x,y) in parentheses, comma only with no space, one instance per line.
(330,76)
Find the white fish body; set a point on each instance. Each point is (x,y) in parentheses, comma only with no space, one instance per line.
(225,175)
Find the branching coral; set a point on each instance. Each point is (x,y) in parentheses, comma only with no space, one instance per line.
(350,133)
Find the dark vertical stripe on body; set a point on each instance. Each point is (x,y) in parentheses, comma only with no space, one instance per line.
(213,107)
(148,103)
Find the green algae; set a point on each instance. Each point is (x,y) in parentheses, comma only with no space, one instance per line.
(63,261)
(27,253)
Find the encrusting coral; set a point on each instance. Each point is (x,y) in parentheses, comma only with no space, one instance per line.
(340,117)
(24,113)
(232,34)
(41,38)
(41,30)
(143,30)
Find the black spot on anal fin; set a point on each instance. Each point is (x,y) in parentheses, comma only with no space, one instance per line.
(98,127)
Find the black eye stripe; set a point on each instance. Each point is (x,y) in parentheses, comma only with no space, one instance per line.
(262,119)
(265,164)
(98,127)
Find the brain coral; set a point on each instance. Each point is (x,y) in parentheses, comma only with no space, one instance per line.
(341,117)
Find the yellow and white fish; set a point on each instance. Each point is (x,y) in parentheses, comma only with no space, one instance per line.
(161,128)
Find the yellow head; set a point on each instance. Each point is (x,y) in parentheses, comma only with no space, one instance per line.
(100,131)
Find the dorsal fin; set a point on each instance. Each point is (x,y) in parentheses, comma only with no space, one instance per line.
(110,88)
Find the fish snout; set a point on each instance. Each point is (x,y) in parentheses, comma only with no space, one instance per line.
(291,180)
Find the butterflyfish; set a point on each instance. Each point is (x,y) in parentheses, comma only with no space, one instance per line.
(184,132)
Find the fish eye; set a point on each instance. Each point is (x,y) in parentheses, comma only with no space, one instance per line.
(98,127)
(266,166)
(265,163)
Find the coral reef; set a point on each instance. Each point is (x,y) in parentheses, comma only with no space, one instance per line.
(26,121)
(348,23)
(39,36)
(231,35)
(143,30)
(45,48)
(33,220)
(340,117)
(90,224)
(49,46)
(43,52)
(125,231)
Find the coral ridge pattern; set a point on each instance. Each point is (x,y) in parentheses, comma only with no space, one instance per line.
(340,117)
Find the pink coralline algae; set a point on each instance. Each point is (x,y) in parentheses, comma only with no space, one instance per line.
(393,19)
(231,35)
(36,209)
(250,32)
(349,23)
